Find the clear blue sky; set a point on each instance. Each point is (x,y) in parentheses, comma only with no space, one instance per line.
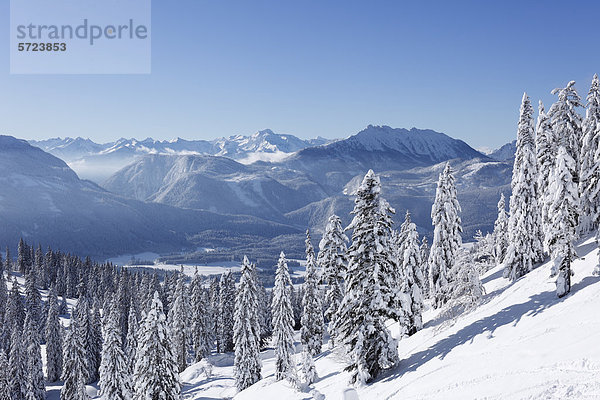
(319,68)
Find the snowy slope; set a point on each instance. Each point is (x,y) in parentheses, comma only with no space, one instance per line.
(522,342)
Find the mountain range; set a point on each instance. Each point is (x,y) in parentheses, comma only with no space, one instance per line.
(97,161)
(278,184)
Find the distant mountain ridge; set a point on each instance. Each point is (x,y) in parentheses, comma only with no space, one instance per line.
(304,188)
(97,161)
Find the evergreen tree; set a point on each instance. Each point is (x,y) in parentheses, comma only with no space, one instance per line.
(226,311)
(424,249)
(75,365)
(17,366)
(265,316)
(5,378)
(15,311)
(178,324)
(312,315)
(54,340)
(370,298)
(333,261)
(35,374)
(155,380)
(283,321)
(200,321)
(467,289)
(33,301)
(246,330)
(566,123)
(213,311)
(564,219)
(501,231)
(413,275)
(3,300)
(115,376)
(524,223)
(589,186)
(446,237)
(131,341)
(309,372)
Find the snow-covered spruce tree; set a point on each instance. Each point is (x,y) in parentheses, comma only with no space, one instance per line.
(5,378)
(155,380)
(15,312)
(178,324)
(131,341)
(75,366)
(33,301)
(246,330)
(424,250)
(467,289)
(566,123)
(564,219)
(54,339)
(333,261)
(199,319)
(213,310)
(311,333)
(501,231)
(309,372)
(89,320)
(35,374)
(226,310)
(17,366)
(283,322)
(446,237)
(3,300)
(115,376)
(371,297)
(265,316)
(524,222)
(589,185)
(411,270)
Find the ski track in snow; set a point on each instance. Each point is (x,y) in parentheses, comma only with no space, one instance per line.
(522,342)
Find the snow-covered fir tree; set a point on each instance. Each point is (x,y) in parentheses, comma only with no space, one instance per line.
(333,262)
(17,366)
(226,311)
(5,378)
(371,297)
(54,339)
(283,321)
(246,329)
(35,374)
(213,311)
(155,380)
(131,340)
(424,249)
(265,315)
(199,319)
(311,333)
(115,376)
(501,231)
(75,365)
(178,323)
(446,237)
(563,210)
(15,313)
(566,123)
(467,289)
(309,371)
(524,223)
(589,185)
(413,275)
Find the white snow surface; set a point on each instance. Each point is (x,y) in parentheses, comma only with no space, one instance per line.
(522,342)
